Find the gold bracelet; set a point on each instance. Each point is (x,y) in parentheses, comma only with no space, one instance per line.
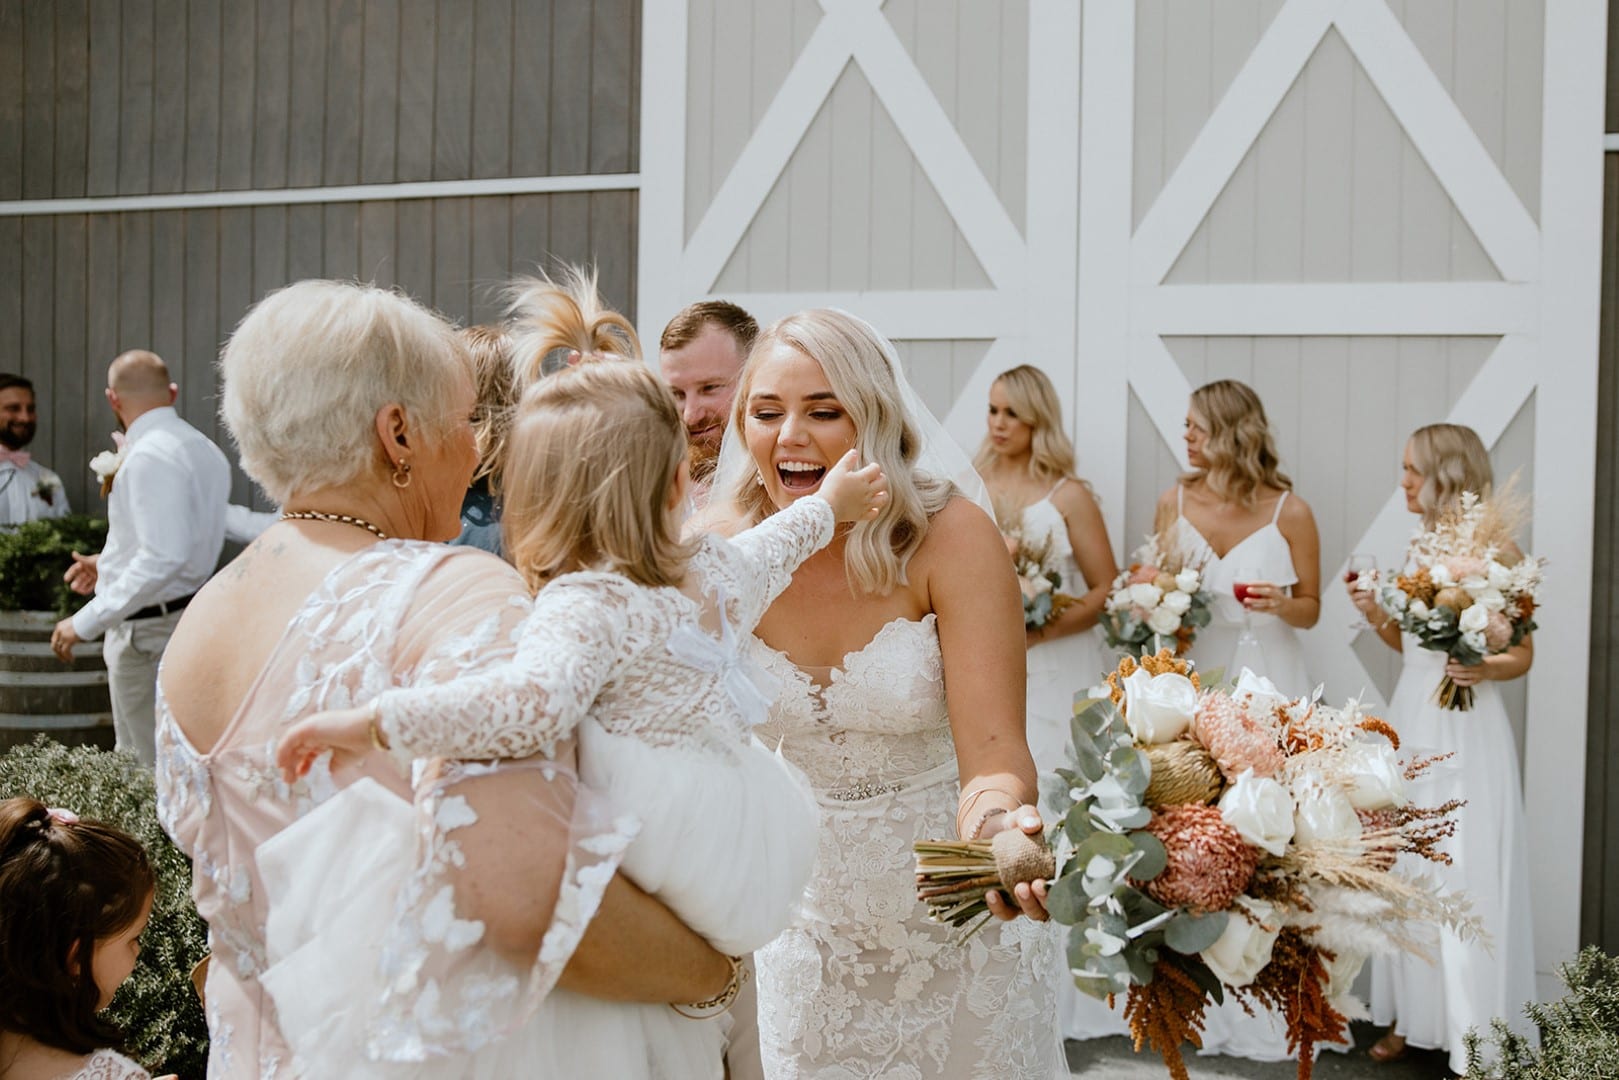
(720,1002)
(970,796)
(379,739)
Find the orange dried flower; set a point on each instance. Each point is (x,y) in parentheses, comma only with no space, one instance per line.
(1166,1013)
(1381,727)
(1209,863)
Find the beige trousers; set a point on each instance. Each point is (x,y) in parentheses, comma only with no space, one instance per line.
(132,651)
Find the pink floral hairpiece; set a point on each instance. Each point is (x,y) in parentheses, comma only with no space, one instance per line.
(61,816)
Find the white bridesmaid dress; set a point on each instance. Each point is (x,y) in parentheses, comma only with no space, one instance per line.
(1433,1004)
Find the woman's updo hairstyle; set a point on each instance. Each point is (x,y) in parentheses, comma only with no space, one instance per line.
(64,886)
(550,318)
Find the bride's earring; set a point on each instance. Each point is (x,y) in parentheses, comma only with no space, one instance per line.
(759,478)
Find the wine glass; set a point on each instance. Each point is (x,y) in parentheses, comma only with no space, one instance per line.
(1249,652)
(1359,563)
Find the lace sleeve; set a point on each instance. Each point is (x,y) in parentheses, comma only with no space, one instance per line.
(519,708)
(110,1065)
(770,552)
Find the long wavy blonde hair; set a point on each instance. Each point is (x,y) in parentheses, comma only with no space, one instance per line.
(859,366)
(591,462)
(1033,400)
(1240,451)
(1451,459)
(552,316)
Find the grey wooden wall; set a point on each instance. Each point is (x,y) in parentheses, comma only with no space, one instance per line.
(1599,914)
(141,97)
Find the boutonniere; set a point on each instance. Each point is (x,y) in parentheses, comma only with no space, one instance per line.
(45,491)
(106,464)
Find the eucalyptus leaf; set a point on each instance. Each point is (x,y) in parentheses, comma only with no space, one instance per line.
(1203,976)
(1153,856)
(1138,906)
(1133,769)
(1108,845)
(1190,934)
(1078,824)
(1135,819)
(1140,961)
(1066,900)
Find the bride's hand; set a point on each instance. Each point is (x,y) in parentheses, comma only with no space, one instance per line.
(855,493)
(1027,899)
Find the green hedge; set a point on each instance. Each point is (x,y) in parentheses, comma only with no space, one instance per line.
(1579,1035)
(35,555)
(157,1008)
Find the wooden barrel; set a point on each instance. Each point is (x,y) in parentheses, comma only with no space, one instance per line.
(39,693)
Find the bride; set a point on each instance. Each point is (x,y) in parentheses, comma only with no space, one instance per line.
(900,651)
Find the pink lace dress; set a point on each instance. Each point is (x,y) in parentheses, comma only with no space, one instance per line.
(108,1065)
(401,613)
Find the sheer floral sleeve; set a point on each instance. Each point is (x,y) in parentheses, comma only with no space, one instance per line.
(762,559)
(522,707)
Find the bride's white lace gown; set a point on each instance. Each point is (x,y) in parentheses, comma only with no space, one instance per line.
(656,688)
(868,988)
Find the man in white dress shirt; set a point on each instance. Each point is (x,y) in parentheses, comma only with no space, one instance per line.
(165,528)
(28,490)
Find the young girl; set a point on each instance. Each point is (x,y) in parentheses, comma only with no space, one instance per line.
(74,898)
(633,648)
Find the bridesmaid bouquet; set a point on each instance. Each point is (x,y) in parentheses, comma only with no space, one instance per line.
(1039,579)
(1221,841)
(1458,597)
(1157,601)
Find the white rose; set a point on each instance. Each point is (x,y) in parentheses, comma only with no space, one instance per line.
(1244,948)
(1473,617)
(1474,639)
(1261,694)
(1187,581)
(1158,708)
(1439,574)
(1376,781)
(1342,971)
(1119,600)
(1323,812)
(1419,609)
(1163,621)
(1497,575)
(1395,600)
(1490,599)
(105,463)
(1260,810)
(1146,595)
(1177,602)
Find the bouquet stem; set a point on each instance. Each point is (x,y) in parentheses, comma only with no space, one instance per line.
(1451,696)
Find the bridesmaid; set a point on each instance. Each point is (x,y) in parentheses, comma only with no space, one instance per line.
(1027,462)
(1433,1005)
(1234,512)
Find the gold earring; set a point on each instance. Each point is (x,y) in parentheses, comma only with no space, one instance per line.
(401,476)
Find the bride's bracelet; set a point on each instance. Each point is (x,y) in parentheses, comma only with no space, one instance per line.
(965,804)
(704,1010)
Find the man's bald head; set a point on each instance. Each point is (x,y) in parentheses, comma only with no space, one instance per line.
(137,382)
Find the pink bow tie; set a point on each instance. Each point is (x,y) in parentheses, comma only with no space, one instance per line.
(19,458)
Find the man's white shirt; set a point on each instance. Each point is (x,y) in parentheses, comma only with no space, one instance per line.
(30,492)
(165,521)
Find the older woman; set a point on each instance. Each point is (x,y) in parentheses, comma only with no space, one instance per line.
(900,652)
(351,408)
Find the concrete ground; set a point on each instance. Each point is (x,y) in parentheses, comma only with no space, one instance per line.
(1113,1059)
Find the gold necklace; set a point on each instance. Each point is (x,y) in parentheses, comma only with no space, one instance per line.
(340,519)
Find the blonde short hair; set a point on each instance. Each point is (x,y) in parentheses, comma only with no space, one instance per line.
(1240,451)
(551,317)
(1451,459)
(308,368)
(489,349)
(1034,401)
(590,464)
(858,366)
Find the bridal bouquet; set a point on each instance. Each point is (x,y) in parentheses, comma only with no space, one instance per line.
(1158,601)
(1459,597)
(1038,577)
(1218,841)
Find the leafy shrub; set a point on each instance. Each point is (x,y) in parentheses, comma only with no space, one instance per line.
(1579,1035)
(157,1008)
(35,555)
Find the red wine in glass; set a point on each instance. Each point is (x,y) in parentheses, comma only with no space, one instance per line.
(1243,590)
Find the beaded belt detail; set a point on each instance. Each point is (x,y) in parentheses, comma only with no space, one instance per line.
(865,790)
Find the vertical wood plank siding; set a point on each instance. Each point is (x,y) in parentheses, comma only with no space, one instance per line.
(159,96)
(1599,908)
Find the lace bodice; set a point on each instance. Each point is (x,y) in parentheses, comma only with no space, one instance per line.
(108,1065)
(641,661)
(880,720)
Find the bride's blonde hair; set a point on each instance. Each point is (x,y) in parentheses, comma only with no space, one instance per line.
(591,462)
(858,368)
(1240,451)
(566,314)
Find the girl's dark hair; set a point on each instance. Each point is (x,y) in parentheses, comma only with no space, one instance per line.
(63,887)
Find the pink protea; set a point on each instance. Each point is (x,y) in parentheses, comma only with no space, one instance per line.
(1209,864)
(1236,738)
(1462,567)
(1145,574)
(1497,632)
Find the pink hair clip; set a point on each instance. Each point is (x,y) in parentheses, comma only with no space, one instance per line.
(62,817)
